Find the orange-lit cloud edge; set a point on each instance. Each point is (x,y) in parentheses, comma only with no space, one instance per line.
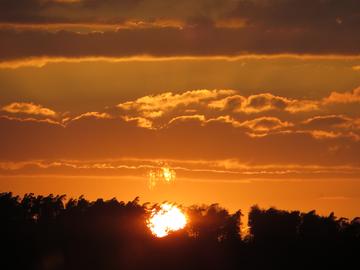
(40,62)
(261,120)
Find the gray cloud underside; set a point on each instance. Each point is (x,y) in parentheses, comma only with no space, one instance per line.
(173,42)
(264,27)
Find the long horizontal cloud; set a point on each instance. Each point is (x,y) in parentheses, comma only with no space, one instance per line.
(278,13)
(212,104)
(102,138)
(173,28)
(166,42)
(209,169)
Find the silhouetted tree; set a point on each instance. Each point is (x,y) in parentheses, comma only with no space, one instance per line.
(47,232)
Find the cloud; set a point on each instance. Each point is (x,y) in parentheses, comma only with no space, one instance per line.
(176,28)
(231,169)
(194,41)
(266,124)
(109,11)
(302,15)
(140,121)
(332,126)
(41,61)
(328,122)
(30,119)
(343,98)
(293,14)
(223,137)
(97,115)
(28,108)
(232,103)
(262,103)
(322,134)
(156,105)
(259,126)
(196,124)
(186,118)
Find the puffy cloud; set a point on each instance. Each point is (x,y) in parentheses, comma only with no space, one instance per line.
(262,103)
(345,97)
(141,121)
(332,126)
(232,103)
(28,108)
(157,105)
(266,124)
(322,134)
(328,134)
(261,125)
(204,124)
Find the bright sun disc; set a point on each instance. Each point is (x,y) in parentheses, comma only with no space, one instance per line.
(168,218)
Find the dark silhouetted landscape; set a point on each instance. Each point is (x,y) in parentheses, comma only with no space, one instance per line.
(53,232)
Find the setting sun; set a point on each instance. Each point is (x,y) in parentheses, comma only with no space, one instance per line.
(168,218)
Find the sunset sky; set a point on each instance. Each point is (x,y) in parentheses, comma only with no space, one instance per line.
(247,101)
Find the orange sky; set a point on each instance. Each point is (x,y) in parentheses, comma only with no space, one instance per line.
(249,102)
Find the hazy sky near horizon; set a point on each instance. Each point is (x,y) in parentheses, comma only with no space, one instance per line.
(248,101)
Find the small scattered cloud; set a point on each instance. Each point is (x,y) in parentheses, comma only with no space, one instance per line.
(97,115)
(266,124)
(345,97)
(185,118)
(140,121)
(322,134)
(28,108)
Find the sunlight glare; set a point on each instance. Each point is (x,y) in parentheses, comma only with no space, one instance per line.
(168,218)
(162,174)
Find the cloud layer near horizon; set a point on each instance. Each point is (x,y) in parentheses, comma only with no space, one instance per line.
(296,60)
(258,130)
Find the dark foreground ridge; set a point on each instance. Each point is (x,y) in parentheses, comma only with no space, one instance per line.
(46,233)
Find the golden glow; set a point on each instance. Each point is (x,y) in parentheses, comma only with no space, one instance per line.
(168,218)
(168,174)
(162,174)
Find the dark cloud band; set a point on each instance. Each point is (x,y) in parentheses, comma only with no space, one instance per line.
(189,41)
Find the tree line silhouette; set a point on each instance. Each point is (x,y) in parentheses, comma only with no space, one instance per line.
(50,232)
